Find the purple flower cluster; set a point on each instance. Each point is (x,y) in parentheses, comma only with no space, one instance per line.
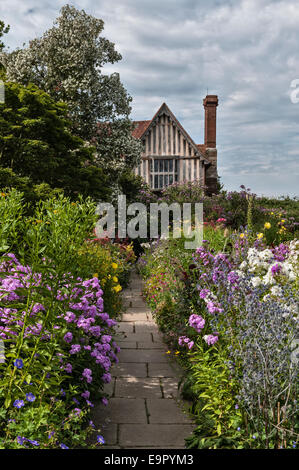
(185,341)
(196,322)
(78,323)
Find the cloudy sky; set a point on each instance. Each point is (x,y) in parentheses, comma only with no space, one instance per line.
(245,51)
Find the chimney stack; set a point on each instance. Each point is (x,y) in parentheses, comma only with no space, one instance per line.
(210,104)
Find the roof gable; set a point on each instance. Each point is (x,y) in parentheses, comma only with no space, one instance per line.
(143,127)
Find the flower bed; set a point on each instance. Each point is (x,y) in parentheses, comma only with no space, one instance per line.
(233,318)
(59,300)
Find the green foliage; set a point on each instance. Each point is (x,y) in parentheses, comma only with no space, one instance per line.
(36,142)
(32,193)
(214,400)
(3,30)
(67,62)
(130,185)
(56,258)
(117,150)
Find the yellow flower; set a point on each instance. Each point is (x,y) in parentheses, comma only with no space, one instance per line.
(242,235)
(271,213)
(260,235)
(115,279)
(177,352)
(3,194)
(103,282)
(117,288)
(114,265)
(96,275)
(282,221)
(55,212)
(168,352)
(267,225)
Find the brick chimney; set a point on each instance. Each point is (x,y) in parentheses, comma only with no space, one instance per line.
(210,104)
(211,179)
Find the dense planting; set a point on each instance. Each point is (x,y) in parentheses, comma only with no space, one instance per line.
(229,311)
(60,295)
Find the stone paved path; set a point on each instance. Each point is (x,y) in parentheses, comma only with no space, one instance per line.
(144,409)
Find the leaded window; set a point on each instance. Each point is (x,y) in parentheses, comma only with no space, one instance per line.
(163,172)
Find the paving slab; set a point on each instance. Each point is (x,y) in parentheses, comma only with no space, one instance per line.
(108,431)
(143,410)
(129,369)
(132,317)
(163,411)
(122,410)
(154,435)
(133,387)
(161,369)
(142,355)
(138,337)
(124,327)
(127,344)
(150,345)
(145,327)
(138,310)
(170,387)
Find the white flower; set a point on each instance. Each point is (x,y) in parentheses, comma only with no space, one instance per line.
(276,290)
(243,265)
(256,281)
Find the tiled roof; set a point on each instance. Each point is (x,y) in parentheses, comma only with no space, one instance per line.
(201,147)
(140,128)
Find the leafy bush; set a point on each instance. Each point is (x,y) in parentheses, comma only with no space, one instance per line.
(36,142)
(56,320)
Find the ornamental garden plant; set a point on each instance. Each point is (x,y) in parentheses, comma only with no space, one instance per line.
(229,312)
(59,300)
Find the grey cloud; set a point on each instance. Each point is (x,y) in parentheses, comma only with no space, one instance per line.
(244,51)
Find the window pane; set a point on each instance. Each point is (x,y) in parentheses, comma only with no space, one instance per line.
(176,165)
(151,181)
(170,165)
(161,166)
(156,165)
(176,177)
(166,165)
(161,181)
(151,165)
(166,180)
(170,179)
(156,182)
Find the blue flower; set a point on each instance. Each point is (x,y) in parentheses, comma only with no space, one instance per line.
(100,439)
(34,443)
(63,446)
(18,363)
(21,440)
(30,397)
(18,403)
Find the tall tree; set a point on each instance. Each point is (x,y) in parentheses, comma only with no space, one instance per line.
(67,63)
(36,142)
(3,30)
